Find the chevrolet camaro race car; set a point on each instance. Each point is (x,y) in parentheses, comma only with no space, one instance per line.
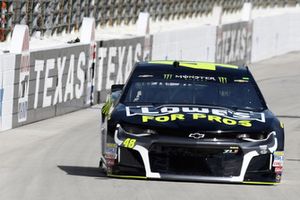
(191,121)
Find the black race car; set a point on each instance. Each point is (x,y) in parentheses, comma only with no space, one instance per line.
(191,121)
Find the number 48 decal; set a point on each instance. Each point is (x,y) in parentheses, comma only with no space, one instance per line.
(129,143)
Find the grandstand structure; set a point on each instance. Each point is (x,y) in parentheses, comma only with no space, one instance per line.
(51,17)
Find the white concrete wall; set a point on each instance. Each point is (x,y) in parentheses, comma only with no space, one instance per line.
(276,35)
(190,44)
(271,36)
(7,75)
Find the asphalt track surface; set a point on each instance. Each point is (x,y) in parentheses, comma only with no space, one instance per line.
(58,158)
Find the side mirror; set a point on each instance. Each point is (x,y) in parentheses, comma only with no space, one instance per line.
(115,88)
(116,91)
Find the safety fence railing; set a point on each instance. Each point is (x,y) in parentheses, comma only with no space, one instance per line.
(64,16)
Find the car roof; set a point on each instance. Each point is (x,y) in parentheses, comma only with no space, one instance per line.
(193,65)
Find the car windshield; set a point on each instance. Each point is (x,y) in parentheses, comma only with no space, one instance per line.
(213,91)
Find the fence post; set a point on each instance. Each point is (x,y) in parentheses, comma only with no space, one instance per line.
(8,84)
(217,13)
(143,29)
(246,12)
(143,23)
(20,45)
(88,37)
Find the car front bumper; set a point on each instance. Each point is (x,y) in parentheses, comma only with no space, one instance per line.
(171,158)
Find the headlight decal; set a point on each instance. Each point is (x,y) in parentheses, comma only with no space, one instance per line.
(137,131)
(274,147)
(143,152)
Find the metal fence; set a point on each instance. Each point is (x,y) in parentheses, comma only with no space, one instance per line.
(58,16)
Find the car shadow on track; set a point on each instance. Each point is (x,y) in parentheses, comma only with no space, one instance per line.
(100,174)
(83,171)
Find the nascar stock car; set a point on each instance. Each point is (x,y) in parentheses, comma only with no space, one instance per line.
(191,121)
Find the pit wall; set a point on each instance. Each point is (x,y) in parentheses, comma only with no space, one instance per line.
(65,79)
(73,77)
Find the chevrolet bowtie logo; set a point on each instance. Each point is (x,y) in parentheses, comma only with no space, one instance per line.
(197,136)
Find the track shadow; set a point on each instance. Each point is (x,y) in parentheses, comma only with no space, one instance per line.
(83,171)
(293,159)
(100,174)
(289,116)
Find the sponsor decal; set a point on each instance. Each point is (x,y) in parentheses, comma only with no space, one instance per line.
(278,159)
(168,76)
(279,153)
(146,76)
(195,77)
(196,116)
(111,145)
(241,81)
(195,111)
(197,136)
(222,79)
(110,162)
(278,169)
(231,150)
(129,143)
(109,156)
(278,177)
(188,77)
(110,151)
(172,113)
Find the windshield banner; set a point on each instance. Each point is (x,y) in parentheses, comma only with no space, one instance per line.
(166,110)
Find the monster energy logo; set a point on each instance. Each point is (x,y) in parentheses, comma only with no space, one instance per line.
(223,79)
(168,76)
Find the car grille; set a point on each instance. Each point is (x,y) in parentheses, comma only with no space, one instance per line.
(209,135)
(208,161)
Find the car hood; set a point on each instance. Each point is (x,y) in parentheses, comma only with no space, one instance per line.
(193,118)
